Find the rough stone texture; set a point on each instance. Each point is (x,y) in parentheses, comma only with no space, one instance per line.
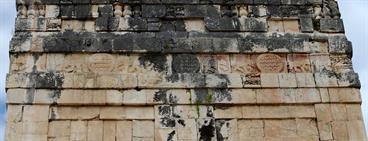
(182,70)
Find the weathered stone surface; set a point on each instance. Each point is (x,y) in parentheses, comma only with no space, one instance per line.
(181,70)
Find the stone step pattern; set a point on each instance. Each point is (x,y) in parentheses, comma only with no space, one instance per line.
(181,70)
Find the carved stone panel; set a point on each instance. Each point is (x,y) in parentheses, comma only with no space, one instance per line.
(101,63)
(270,63)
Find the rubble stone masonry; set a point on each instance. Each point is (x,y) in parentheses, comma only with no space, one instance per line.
(181,70)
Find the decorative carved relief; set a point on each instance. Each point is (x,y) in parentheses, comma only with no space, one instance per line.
(270,63)
(101,63)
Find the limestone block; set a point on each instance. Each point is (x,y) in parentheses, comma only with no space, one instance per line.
(109,130)
(82,80)
(280,128)
(354,112)
(139,112)
(241,63)
(36,113)
(22,63)
(287,80)
(85,97)
(291,25)
(287,111)
(307,128)
(96,97)
(332,25)
(325,97)
(68,80)
(308,95)
(276,96)
(88,112)
(52,11)
(73,25)
(275,26)
(222,112)
(356,130)
(59,130)
(325,130)
(306,24)
(116,81)
(35,128)
(348,79)
(63,113)
(207,63)
(31,137)
(74,112)
(114,97)
(243,96)
(224,81)
(305,80)
(223,63)
(251,112)
(17,80)
(191,112)
(42,96)
(71,97)
(195,25)
(188,131)
(179,96)
(251,129)
(164,134)
(340,130)
(124,130)
(143,129)
(95,130)
(269,96)
(225,44)
(13,131)
(339,112)
(53,24)
(16,96)
(112,113)
(302,111)
(20,44)
(78,131)
(299,63)
(227,129)
(206,129)
(344,95)
(323,112)
(133,97)
(317,47)
(274,112)
(251,80)
(320,62)
(270,80)
(325,80)
(254,24)
(14,113)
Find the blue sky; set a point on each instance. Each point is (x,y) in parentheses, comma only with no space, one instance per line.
(354,14)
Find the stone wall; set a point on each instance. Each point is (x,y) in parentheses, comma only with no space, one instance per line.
(182,70)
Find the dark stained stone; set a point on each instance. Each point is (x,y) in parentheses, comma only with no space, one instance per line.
(185,63)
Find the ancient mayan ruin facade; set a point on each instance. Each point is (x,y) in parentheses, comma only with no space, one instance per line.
(182,70)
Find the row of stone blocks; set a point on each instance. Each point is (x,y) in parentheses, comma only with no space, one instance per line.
(180,63)
(325,25)
(180,80)
(319,122)
(271,2)
(180,42)
(133,97)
